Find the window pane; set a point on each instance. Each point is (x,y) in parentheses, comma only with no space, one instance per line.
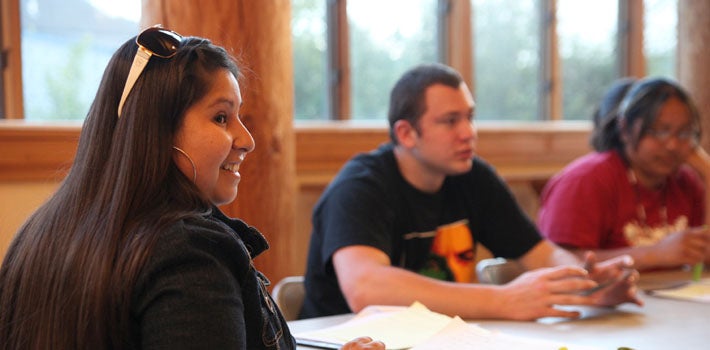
(587,34)
(660,36)
(506,59)
(308,27)
(386,39)
(65,48)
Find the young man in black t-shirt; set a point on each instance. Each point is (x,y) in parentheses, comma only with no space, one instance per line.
(400,224)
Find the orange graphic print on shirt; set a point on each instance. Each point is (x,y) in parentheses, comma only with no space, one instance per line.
(454,244)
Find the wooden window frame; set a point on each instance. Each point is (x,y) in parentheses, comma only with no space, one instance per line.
(456,49)
(11,60)
(520,151)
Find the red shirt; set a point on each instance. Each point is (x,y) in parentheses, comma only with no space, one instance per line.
(591,201)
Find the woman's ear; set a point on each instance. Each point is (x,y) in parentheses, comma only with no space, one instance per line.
(406,133)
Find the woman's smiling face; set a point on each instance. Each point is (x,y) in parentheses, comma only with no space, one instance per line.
(215,139)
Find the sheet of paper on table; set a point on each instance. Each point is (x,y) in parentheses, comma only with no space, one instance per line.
(418,328)
(460,335)
(693,291)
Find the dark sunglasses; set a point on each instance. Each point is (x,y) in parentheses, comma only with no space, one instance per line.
(154,41)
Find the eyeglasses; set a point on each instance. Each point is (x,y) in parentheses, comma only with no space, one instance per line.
(153,41)
(688,136)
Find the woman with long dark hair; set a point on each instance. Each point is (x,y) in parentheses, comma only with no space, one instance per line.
(131,252)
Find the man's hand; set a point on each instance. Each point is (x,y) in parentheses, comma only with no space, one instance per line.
(616,280)
(535,293)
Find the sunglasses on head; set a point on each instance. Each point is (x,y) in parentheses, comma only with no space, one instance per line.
(154,41)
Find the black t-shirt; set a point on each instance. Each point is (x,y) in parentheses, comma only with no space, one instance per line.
(370,203)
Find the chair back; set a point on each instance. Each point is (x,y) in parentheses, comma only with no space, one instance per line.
(288,294)
(498,270)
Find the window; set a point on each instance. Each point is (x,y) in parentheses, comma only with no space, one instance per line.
(525,59)
(587,33)
(660,36)
(519,74)
(381,46)
(65,48)
(308,27)
(387,38)
(507,59)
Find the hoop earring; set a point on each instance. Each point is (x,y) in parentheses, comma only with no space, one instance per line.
(194,169)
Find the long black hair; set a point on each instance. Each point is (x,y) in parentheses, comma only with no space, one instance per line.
(68,276)
(607,109)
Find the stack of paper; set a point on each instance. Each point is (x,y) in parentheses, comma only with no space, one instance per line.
(418,328)
(693,291)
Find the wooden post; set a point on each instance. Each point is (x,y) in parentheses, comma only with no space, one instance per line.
(551,76)
(632,62)
(693,70)
(258,33)
(11,99)
(460,45)
(693,53)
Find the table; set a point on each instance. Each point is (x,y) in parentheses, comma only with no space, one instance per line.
(660,324)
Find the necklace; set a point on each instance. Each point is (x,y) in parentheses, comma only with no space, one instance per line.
(640,209)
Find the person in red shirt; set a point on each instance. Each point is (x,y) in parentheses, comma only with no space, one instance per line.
(635,194)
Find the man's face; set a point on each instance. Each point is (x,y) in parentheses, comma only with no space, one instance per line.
(446,136)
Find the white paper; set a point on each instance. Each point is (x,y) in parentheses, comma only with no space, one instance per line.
(418,328)
(460,335)
(398,328)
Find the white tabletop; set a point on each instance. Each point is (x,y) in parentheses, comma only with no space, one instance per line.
(660,324)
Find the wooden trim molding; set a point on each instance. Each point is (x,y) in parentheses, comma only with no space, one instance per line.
(519,151)
(36,152)
(531,151)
